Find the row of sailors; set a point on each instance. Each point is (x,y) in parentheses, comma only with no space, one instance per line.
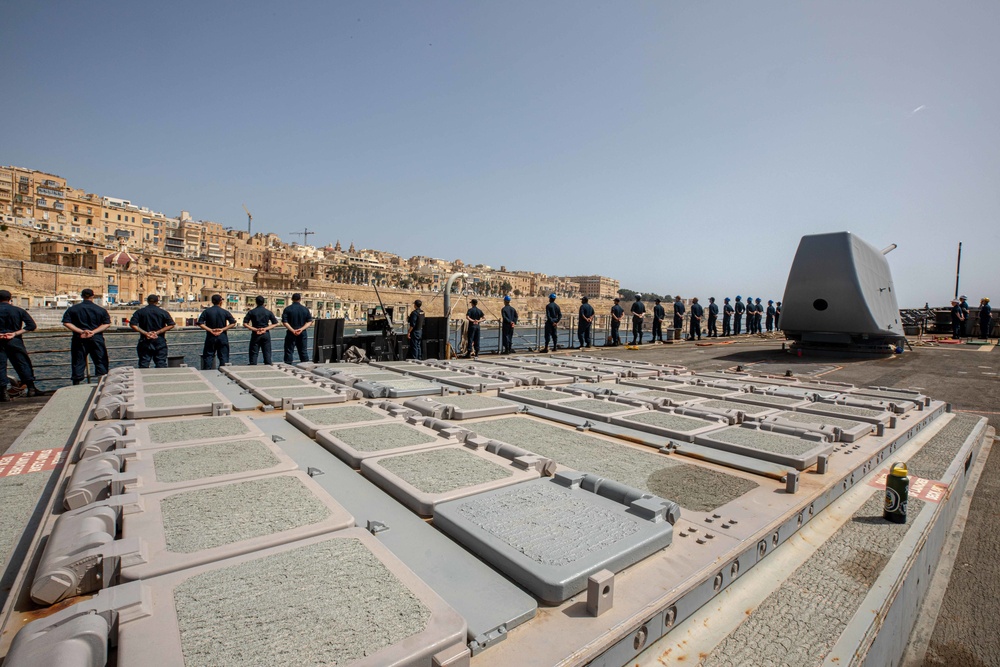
(88,321)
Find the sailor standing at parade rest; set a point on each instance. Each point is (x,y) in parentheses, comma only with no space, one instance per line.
(957,320)
(14,322)
(697,312)
(617,313)
(713,317)
(770,315)
(777,315)
(296,319)
(678,314)
(216,321)
(508,318)
(415,330)
(260,321)
(475,316)
(658,316)
(738,316)
(151,323)
(758,316)
(87,321)
(586,317)
(985,317)
(553,314)
(963,303)
(727,317)
(638,315)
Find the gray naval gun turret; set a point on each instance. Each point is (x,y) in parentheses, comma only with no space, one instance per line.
(840,295)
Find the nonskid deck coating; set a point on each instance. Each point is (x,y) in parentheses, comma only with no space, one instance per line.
(803,619)
(548,525)
(180,400)
(297,392)
(472,401)
(203,428)
(807,418)
(670,421)
(540,394)
(692,487)
(379,437)
(848,410)
(174,378)
(182,464)
(211,517)
(778,401)
(746,408)
(276,382)
(444,470)
(345,415)
(330,603)
(765,441)
(174,388)
(598,406)
(933,459)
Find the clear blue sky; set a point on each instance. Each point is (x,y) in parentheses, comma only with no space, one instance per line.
(682,147)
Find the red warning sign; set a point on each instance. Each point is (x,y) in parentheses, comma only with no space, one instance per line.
(925,489)
(39,460)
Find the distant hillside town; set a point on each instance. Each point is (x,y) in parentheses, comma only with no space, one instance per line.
(56,239)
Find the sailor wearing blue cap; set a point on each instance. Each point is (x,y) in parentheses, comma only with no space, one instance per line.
(758,315)
(638,315)
(770,316)
(586,318)
(727,318)
(713,317)
(617,313)
(508,318)
(552,316)
(738,310)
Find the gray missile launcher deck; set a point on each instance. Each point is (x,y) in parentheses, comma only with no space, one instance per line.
(310,420)
(550,535)
(353,444)
(421,480)
(459,408)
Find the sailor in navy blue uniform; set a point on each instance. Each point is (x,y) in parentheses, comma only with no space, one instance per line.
(697,312)
(713,317)
(151,323)
(87,321)
(296,319)
(638,315)
(957,320)
(474,316)
(658,315)
(770,315)
(14,322)
(758,315)
(415,330)
(585,319)
(617,313)
(777,315)
(738,310)
(553,314)
(727,318)
(260,321)
(985,317)
(678,314)
(508,318)
(216,321)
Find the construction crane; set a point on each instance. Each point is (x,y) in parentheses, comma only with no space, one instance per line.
(249,218)
(304,234)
